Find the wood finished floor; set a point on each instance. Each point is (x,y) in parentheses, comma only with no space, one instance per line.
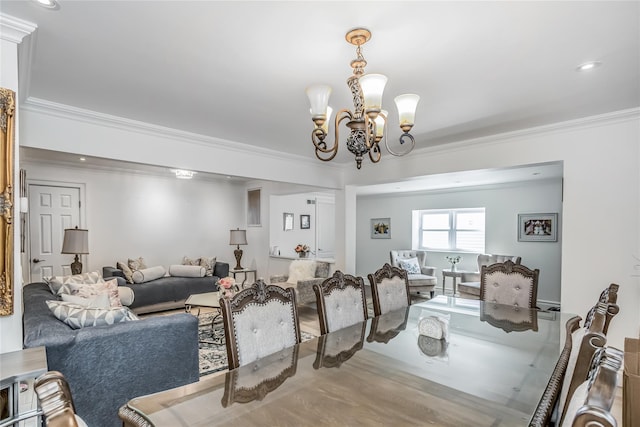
(308,317)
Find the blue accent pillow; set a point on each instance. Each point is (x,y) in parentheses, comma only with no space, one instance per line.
(411,265)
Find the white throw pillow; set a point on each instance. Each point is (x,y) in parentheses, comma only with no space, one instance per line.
(301,270)
(411,265)
(177,270)
(148,274)
(96,301)
(90,290)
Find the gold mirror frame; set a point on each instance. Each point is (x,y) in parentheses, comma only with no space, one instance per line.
(7,110)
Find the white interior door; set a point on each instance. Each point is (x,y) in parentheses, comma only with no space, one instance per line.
(325,228)
(51,210)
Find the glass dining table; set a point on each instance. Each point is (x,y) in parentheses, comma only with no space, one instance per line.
(491,370)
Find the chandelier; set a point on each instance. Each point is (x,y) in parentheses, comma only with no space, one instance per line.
(367,121)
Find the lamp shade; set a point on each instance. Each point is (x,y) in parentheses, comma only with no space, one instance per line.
(76,241)
(372,86)
(319,99)
(407,105)
(238,237)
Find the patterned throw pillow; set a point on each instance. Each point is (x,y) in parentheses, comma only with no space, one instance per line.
(136,264)
(77,316)
(411,265)
(189,261)
(96,301)
(90,290)
(60,284)
(128,274)
(209,264)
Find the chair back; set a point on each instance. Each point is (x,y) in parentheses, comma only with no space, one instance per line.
(488,259)
(397,255)
(54,397)
(608,298)
(341,302)
(258,321)
(509,283)
(591,403)
(389,289)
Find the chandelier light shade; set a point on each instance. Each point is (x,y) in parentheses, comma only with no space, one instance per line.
(75,241)
(367,121)
(238,237)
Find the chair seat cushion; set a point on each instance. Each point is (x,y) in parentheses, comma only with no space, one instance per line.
(421,280)
(472,288)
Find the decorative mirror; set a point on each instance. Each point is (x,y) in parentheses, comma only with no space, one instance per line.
(7,109)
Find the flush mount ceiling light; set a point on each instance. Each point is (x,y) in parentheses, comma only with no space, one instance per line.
(367,121)
(49,4)
(183,174)
(588,66)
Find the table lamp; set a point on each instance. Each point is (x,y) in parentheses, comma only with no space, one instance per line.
(238,237)
(76,241)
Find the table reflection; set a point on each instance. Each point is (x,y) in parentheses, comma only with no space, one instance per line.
(337,347)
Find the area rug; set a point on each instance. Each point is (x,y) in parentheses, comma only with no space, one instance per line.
(213,352)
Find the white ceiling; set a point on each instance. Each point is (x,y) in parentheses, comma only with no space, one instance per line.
(237,70)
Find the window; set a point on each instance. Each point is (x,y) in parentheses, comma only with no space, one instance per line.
(450,229)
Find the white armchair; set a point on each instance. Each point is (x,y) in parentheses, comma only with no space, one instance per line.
(421,281)
(469,286)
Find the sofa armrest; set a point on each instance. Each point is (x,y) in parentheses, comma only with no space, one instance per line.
(112,272)
(125,360)
(429,271)
(221,269)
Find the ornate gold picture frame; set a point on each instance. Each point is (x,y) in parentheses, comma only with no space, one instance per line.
(7,110)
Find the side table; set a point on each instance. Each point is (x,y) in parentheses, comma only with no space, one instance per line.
(454,274)
(17,366)
(244,271)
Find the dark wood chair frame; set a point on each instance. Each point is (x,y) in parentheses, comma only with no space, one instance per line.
(339,280)
(386,272)
(509,267)
(235,394)
(259,293)
(608,297)
(54,397)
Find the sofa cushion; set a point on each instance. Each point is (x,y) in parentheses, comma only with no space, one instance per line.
(208,263)
(136,264)
(95,301)
(148,274)
(300,270)
(89,290)
(126,295)
(128,274)
(78,316)
(59,284)
(411,265)
(177,270)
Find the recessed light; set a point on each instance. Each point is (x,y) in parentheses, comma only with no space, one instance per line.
(83,159)
(183,174)
(49,4)
(588,66)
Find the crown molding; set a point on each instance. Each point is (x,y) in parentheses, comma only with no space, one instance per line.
(14,29)
(41,106)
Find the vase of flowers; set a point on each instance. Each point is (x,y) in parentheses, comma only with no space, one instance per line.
(227,287)
(453,260)
(302,251)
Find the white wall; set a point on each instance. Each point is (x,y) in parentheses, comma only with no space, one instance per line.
(12,32)
(160,218)
(601,208)
(288,240)
(502,203)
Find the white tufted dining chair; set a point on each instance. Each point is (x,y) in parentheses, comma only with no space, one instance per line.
(509,283)
(341,302)
(258,321)
(389,289)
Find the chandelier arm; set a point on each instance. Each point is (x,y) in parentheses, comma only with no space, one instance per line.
(318,136)
(370,140)
(403,138)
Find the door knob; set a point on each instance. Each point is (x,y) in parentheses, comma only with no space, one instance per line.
(36,260)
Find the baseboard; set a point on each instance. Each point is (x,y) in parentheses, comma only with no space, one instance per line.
(548,305)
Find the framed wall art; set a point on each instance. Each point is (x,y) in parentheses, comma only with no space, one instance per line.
(288,221)
(380,228)
(305,222)
(541,227)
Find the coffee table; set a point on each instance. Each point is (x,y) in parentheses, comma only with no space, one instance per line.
(211,300)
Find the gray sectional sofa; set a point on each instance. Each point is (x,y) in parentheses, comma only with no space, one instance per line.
(167,292)
(106,366)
